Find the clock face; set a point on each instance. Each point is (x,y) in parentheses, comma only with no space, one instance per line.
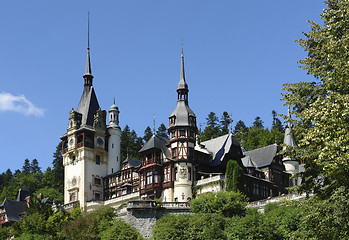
(71,141)
(100,141)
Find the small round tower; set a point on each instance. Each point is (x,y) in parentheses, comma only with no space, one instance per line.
(114,132)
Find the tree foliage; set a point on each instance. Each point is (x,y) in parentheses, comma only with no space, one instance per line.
(321,108)
(130,144)
(234,177)
(162,131)
(226,203)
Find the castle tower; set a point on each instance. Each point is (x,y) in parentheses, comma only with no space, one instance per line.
(114,132)
(291,165)
(182,130)
(84,147)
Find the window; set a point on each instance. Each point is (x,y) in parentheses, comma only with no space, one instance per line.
(98,160)
(189,173)
(124,191)
(182,133)
(175,173)
(74,161)
(73,197)
(112,145)
(156,177)
(97,196)
(97,181)
(149,177)
(174,152)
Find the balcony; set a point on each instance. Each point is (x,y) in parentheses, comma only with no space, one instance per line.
(210,179)
(71,205)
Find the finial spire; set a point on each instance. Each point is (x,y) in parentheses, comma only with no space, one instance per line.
(114,101)
(88,32)
(88,73)
(154,125)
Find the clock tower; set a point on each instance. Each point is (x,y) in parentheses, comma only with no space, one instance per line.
(85,146)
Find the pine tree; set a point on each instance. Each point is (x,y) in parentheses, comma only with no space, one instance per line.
(212,128)
(258,123)
(26,166)
(162,131)
(34,166)
(225,122)
(147,134)
(58,169)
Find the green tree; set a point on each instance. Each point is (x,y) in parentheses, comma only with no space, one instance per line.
(212,127)
(190,227)
(277,125)
(34,166)
(225,123)
(119,230)
(325,219)
(258,123)
(26,168)
(130,144)
(226,203)
(234,176)
(240,131)
(321,108)
(162,131)
(58,169)
(147,134)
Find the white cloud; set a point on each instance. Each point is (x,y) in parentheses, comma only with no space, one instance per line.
(20,104)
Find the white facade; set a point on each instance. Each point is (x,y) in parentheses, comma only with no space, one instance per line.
(183,182)
(114,150)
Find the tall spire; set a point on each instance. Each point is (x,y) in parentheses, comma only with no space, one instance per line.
(182,84)
(88,73)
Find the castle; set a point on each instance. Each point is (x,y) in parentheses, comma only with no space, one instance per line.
(172,170)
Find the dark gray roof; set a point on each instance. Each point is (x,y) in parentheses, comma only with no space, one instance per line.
(182,113)
(22,194)
(133,162)
(156,142)
(88,105)
(14,209)
(219,147)
(262,156)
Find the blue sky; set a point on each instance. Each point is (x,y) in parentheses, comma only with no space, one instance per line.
(237,56)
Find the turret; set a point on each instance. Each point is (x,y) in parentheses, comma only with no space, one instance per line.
(291,165)
(114,140)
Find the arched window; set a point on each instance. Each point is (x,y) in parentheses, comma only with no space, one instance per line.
(73,197)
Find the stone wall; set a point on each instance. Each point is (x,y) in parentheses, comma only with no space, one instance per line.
(143,214)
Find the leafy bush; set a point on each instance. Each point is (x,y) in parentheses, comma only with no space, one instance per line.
(226,203)
(190,226)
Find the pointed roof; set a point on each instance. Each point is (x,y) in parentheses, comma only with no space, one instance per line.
(289,137)
(13,209)
(88,106)
(182,84)
(156,142)
(182,110)
(219,147)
